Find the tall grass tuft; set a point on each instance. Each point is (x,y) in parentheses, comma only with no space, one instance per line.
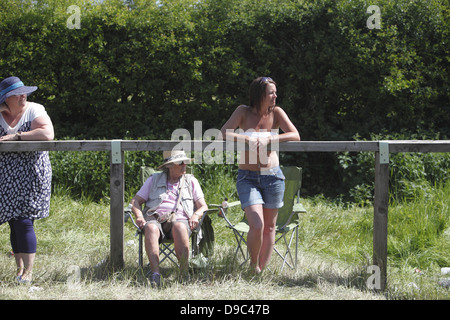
(419,229)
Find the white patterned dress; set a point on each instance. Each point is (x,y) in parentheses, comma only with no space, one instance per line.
(25,177)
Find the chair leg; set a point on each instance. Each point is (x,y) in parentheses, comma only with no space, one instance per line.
(141,262)
(290,252)
(283,257)
(293,262)
(241,240)
(168,252)
(194,246)
(296,247)
(164,249)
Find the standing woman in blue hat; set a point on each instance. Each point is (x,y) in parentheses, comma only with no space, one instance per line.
(25,177)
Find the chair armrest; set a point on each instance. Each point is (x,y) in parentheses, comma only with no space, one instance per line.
(298,208)
(233,204)
(221,208)
(205,213)
(128,214)
(223,212)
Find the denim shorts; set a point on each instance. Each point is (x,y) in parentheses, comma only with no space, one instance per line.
(261,187)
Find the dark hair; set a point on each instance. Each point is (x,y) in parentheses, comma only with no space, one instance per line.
(257,90)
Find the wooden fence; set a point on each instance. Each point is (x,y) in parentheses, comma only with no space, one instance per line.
(382,150)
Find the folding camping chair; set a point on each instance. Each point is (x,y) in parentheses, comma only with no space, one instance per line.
(287,221)
(200,248)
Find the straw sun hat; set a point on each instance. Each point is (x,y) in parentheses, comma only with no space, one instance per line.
(12,86)
(174,156)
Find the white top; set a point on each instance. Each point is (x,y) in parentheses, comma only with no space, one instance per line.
(260,134)
(33,110)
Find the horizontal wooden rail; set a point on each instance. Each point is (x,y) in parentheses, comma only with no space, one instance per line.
(160,145)
(118,147)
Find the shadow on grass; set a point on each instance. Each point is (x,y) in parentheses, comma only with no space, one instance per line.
(223,267)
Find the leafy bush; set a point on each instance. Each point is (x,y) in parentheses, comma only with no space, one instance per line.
(141,69)
(411,174)
(84,174)
(87,174)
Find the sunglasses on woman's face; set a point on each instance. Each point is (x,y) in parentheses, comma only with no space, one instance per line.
(179,163)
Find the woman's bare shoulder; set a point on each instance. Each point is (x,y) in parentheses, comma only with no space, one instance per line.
(278,109)
(243,108)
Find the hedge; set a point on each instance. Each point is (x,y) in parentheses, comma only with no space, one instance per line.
(141,69)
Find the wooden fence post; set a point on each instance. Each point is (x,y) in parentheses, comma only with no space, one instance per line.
(117,205)
(380,218)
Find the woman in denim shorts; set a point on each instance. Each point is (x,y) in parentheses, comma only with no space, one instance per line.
(260,182)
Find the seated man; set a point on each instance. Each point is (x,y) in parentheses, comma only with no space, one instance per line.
(171,190)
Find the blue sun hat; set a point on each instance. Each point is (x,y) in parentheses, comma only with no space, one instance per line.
(12,86)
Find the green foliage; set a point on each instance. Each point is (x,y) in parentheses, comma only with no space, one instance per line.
(86,175)
(217,181)
(141,69)
(411,175)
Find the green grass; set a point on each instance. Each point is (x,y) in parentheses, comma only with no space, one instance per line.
(417,230)
(418,239)
(335,250)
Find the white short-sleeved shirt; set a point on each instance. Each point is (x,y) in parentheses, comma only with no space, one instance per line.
(33,110)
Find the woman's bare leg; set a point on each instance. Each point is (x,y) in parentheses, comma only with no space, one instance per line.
(254,214)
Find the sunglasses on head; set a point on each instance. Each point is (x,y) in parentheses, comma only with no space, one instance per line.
(266,79)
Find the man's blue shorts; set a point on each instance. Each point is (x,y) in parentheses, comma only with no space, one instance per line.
(264,187)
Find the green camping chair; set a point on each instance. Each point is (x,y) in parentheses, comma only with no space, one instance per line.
(287,221)
(201,249)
